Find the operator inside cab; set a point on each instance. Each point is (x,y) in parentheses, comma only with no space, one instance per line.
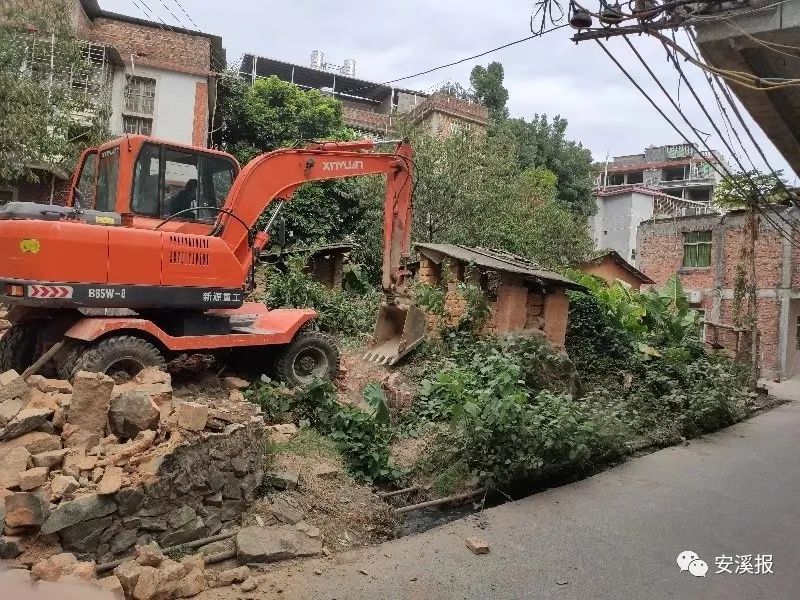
(184,199)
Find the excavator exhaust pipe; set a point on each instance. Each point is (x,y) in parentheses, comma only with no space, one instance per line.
(398,330)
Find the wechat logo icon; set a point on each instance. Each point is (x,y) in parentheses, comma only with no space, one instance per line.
(689,561)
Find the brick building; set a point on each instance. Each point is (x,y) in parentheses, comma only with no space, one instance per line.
(609,266)
(522,296)
(705,251)
(373,109)
(152,78)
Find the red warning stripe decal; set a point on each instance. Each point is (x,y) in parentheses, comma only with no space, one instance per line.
(49,291)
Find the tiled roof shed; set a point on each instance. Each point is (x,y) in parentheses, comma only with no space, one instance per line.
(497,260)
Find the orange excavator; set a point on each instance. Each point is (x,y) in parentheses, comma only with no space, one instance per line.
(155,253)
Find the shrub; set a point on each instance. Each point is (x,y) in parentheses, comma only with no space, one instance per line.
(339,312)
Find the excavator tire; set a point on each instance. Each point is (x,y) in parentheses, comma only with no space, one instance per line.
(120,357)
(18,347)
(310,355)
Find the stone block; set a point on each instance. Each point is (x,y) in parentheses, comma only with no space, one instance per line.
(231,576)
(129,500)
(111,481)
(44,384)
(91,398)
(192,416)
(34,442)
(192,584)
(9,409)
(153,375)
(172,570)
(132,412)
(122,541)
(27,420)
(51,459)
(32,479)
(81,509)
(270,544)
(477,545)
(147,584)
(62,486)
(284,512)
(12,463)
(84,537)
(10,547)
(282,480)
(54,568)
(113,586)
(128,575)
(12,386)
(149,555)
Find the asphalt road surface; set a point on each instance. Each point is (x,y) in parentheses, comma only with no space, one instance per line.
(615,536)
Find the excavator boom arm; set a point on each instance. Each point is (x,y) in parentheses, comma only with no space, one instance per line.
(278,174)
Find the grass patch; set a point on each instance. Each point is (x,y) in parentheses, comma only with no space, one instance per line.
(308,444)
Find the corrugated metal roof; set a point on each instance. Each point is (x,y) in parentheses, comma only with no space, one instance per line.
(499,260)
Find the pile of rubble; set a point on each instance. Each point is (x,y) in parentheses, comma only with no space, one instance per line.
(96,468)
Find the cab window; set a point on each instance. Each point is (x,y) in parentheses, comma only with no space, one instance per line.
(169,181)
(86,180)
(107,180)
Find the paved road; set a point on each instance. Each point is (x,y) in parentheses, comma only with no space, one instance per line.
(613,536)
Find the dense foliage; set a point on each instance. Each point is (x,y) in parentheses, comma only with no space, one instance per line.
(339,311)
(740,190)
(45,121)
(361,437)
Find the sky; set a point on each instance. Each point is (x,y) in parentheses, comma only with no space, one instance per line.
(548,75)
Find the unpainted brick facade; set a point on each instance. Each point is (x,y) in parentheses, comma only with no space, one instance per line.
(514,303)
(661,255)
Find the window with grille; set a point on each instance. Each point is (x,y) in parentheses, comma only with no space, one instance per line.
(140,94)
(697,249)
(137,125)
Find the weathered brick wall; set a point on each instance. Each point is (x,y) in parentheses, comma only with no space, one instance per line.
(153,46)
(200,118)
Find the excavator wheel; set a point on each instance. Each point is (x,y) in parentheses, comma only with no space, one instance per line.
(120,357)
(18,347)
(310,355)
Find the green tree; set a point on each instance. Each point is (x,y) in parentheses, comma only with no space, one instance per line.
(741,190)
(542,143)
(488,89)
(273,114)
(45,119)
(455,89)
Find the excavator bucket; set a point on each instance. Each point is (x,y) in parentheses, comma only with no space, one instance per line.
(397,332)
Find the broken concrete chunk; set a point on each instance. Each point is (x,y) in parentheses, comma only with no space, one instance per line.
(44,384)
(14,462)
(54,568)
(192,584)
(282,480)
(50,459)
(111,481)
(34,442)
(9,409)
(12,386)
(39,399)
(132,412)
(26,509)
(264,545)
(62,485)
(32,478)
(149,555)
(91,397)
(76,511)
(477,545)
(26,421)
(128,575)
(192,416)
(236,383)
(147,584)
(231,576)
(113,586)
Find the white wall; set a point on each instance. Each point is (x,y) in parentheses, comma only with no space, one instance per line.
(616,222)
(173,113)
